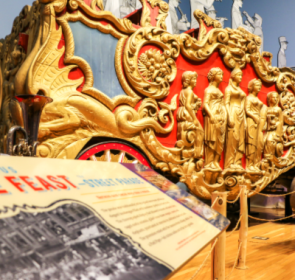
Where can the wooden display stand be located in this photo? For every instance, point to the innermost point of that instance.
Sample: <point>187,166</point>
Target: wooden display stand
<point>243,229</point>
<point>218,254</point>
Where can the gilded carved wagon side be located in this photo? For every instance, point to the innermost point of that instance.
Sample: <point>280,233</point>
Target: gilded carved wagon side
<point>204,106</point>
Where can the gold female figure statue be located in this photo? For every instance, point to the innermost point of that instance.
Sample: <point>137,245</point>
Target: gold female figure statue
<point>215,120</point>
<point>190,132</point>
<point>275,121</point>
<point>253,107</point>
<point>236,122</point>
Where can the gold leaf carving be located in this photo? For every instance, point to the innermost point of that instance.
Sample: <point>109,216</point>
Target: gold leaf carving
<point>58,5</point>
<point>204,18</point>
<point>234,45</point>
<point>139,73</point>
<point>133,98</point>
<point>146,13</point>
<point>97,3</point>
<point>163,12</point>
<point>123,25</point>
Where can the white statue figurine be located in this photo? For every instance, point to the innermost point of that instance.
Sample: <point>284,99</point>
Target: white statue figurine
<point>211,12</point>
<point>236,16</point>
<point>174,25</point>
<point>113,6</point>
<point>199,5</point>
<point>282,61</point>
<point>256,23</point>
<point>129,6</point>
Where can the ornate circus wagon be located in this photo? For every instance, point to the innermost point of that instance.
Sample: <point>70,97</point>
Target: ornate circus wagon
<point>204,107</point>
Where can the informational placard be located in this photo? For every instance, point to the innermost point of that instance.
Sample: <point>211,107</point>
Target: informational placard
<point>63,219</point>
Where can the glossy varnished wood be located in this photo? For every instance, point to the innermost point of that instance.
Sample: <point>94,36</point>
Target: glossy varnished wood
<point>273,259</point>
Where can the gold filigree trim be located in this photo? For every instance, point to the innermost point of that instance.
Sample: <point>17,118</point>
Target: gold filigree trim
<point>205,19</point>
<point>264,70</point>
<point>146,13</point>
<point>97,3</point>
<point>235,46</point>
<point>159,86</point>
<point>163,12</point>
<point>286,80</point>
<point>133,98</point>
<point>123,25</point>
<point>58,5</point>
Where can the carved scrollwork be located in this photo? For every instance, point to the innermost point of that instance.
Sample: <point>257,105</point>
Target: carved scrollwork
<point>97,3</point>
<point>234,45</point>
<point>163,12</point>
<point>146,13</point>
<point>286,79</point>
<point>266,72</point>
<point>208,20</point>
<point>123,25</point>
<point>205,19</point>
<point>146,73</point>
<point>58,5</point>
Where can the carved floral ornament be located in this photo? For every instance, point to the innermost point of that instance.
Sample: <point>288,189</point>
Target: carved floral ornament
<point>75,117</point>
<point>151,80</point>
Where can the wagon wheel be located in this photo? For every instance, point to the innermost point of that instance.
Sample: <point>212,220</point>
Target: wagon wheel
<point>113,152</point>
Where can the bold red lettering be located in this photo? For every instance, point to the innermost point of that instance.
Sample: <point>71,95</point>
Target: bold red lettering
<point>16,184</point>
<point>58,184</point>
<point>46,185</point>
<point>65,178</point>
<point>3,191</point>
<point>30,183</point>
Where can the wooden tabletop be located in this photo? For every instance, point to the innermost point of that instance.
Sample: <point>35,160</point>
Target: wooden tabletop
<point>273,259</point>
